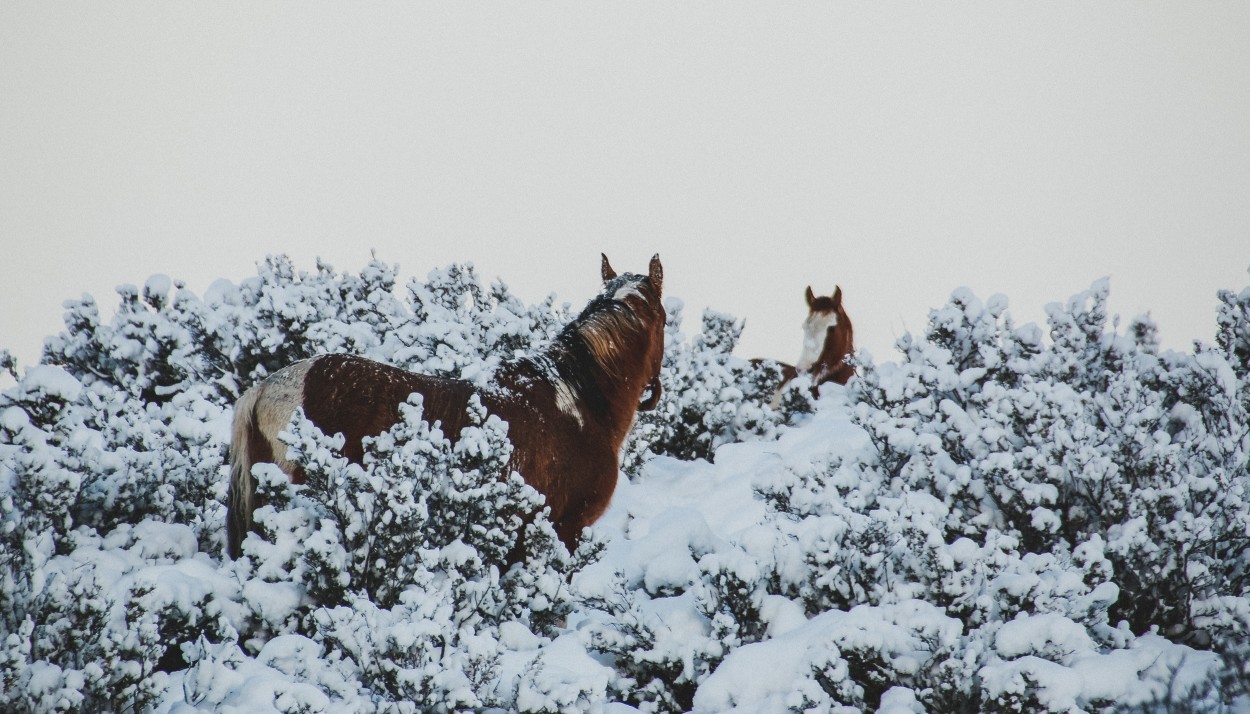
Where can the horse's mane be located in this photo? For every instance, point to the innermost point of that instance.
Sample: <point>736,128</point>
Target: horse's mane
<point>606,320</point>
<point>596,340</point>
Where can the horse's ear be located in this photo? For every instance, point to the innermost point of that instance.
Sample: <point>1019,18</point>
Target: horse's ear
<point>606,269</point>
<point>811,298</point>
<point>656,273</point>
<point>837,297</point>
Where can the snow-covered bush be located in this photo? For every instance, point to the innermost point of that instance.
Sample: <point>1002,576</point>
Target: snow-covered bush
<point>121,433</point>
<point>1050,503</point>
<point>404,562</point>
<point>157,345</point>
<point>1096,435</point>
<point>1005,519</point>
<point>1124,466</point>
<point>650,607</point>
<point>1232,336</point>
<point>710,396</point>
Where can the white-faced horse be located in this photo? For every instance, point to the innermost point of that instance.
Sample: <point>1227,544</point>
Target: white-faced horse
<point>568,409</point>
<point>828,341</point>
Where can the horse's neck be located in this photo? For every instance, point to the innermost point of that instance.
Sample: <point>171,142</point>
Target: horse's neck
<point>598,397</point>
<point>838,347</point>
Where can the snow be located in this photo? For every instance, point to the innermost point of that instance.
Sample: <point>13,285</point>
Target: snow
<point>49,381</point>
<point>1029,634</point>
<point>625,291</point>
<point>762,677</point>
<point>564,677</point>
<point>906,544</point>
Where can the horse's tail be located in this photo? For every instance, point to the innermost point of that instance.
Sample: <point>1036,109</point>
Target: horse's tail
<point>245,437</point>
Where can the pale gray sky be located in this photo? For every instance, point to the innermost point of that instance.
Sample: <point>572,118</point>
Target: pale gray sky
<point>898,149</point>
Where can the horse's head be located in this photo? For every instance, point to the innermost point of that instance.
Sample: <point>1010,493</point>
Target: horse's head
<point>827,335</point>
<point>642,295</point>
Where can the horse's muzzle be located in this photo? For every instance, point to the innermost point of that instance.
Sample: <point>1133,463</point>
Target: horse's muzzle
<point>655,391</point>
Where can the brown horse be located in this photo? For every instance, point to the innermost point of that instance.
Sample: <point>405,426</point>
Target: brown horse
<point>568,409</point>
<point>828,340</point>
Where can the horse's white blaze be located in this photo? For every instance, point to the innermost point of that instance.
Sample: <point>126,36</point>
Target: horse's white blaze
<point>815,329</point>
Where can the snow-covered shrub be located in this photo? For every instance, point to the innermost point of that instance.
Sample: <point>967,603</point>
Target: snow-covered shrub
<point>8,364</point>
<point>417,504</point>
<point>1094,435</point>
<point>412,562</point>
<point>460,329</point>
<point>710,396</point>
<point>123,431</point>
<point>649,612</point>
<point>157,345</point>
<point>849,538</point>
<point>1043,503</point>
<point>107,623</point>
<point>1233,333</point>
<point>660,649</point>
<point>1092,451</point>
<point>1005,520</point>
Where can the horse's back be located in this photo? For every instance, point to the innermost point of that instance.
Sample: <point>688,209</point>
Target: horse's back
<point>359,397</point>
<point>339,393</point>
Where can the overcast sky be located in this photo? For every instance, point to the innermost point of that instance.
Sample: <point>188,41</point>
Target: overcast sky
<point>900,150</point>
